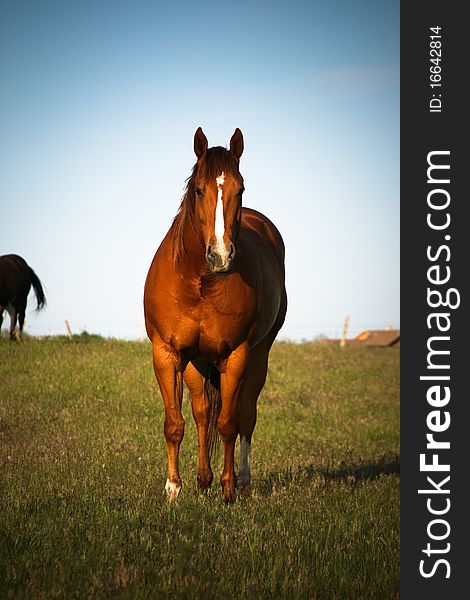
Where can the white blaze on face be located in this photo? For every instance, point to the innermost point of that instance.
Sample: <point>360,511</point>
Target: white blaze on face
<point>219,215</point>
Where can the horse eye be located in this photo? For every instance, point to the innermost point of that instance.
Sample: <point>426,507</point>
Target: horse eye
<point>199,192</point>
<point>241,190</point>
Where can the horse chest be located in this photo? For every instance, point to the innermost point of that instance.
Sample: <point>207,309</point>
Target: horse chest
<point>222,327</point>
<point>209,321</point>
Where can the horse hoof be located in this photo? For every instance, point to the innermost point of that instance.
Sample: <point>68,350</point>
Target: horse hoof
<point>230,498</point>
<point>244,490</point>
<point>229,493</point>
<point>204,481</point>
<point>172,490</point>
<point>243,482</point>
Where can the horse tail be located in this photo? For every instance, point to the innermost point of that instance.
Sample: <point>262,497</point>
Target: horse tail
<point>40,297</point>
<point>212,389</point>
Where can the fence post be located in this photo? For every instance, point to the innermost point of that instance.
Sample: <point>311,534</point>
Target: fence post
<point>69,331</point>
<point>345,331</point>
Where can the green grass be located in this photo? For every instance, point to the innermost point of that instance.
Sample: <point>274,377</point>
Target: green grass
<point>82,453</point>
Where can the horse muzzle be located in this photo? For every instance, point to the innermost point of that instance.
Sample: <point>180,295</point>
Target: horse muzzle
<point>220,258</point>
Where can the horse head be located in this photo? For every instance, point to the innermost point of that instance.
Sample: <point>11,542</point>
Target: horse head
<point>218,188</point>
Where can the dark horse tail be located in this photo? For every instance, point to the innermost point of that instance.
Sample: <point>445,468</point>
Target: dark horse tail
<point>212,389</point>
<point>40,297</point>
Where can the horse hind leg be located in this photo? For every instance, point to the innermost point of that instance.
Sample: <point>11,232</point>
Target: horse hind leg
<point>244,473</point>
<point>21,320</point>
<point>253,383</point>
<point>13,316</point>
<point>195,379</point>
<point>231,383</point>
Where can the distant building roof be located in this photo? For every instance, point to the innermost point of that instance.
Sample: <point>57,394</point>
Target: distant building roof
<point>378,337</point>
<point>369,337</point>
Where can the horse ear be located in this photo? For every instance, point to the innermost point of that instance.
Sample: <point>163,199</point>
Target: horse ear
<point>200,143</point>
<point>236,143</point>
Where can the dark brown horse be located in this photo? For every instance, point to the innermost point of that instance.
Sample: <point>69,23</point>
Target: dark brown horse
<point>16,279</point>
<point>214,301</point>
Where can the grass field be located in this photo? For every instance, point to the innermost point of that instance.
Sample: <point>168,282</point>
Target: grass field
<point>82,507</point>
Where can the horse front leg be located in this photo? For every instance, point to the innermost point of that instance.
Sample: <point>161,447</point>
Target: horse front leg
<point>231,380</point>
<point>169,374</point>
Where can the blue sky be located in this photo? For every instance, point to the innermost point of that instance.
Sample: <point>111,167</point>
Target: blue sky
<point>99,105</point>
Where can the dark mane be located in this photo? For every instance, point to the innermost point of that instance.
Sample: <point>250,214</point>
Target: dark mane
<point>215,161</point>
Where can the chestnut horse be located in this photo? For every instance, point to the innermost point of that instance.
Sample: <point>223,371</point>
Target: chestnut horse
<point>16,279</point>
<point>214,301</point>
